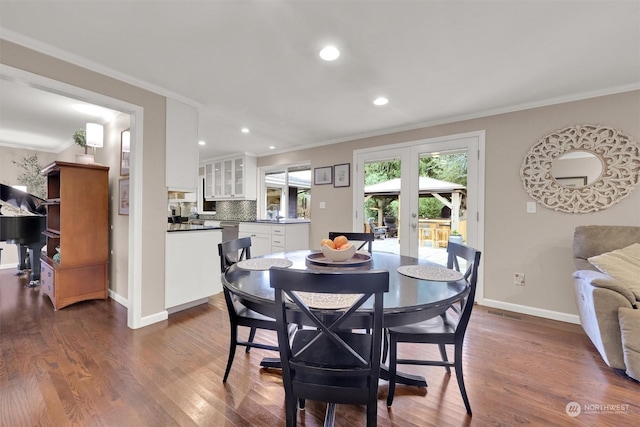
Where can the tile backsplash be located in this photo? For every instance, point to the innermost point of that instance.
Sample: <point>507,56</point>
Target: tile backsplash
<point>234,210</point>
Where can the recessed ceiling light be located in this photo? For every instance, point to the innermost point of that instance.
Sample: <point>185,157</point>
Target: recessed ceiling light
<point>380,101</point>
<point>330,53</point>
<point>202,143</point>
<point>244,130</point>
<point>271,147</point>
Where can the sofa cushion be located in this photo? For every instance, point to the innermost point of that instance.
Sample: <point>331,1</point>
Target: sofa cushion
<point>630,329</point>
<point>623,265</point>
<point>592,240</point>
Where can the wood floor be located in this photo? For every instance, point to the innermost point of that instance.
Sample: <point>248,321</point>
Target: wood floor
<point>82,366</point>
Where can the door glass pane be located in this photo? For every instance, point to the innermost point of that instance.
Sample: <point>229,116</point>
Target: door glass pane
<point>217,178</point>
<point>238,176</point>
<point>441,202</point>
<point>382,187</point>
<point>228,178</point>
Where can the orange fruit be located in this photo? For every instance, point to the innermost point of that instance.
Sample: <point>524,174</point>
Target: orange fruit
<point>327,242</point>
<point>340,240</point>
<point>345,246</point>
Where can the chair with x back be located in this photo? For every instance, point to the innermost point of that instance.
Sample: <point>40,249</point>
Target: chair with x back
<point>330,362</point>
<point>449,328</point>
<point>362,239</point>
<point>231,252</point>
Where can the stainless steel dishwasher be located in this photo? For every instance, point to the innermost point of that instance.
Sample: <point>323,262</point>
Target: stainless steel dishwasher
<point>229,230</point>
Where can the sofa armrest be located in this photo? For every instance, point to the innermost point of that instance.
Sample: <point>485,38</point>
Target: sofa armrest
<point>601,280</point>
<point>598,309</point>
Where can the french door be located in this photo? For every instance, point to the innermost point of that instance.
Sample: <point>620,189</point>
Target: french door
<point>467,209</point>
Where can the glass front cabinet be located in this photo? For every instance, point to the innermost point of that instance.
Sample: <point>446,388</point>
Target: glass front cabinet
<point>231,178</point>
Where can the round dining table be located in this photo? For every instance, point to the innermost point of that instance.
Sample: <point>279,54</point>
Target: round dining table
<point>408,301</point>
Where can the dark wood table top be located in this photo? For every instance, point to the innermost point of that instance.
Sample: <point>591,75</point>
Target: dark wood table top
<point>409,300</point>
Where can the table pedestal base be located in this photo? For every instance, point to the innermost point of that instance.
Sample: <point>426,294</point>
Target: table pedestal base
<point>401,377</point>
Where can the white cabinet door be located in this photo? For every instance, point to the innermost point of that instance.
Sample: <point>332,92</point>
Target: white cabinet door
<point>238,176</point>
<point>260,243</point>
<point>181,146</point>
<point>208,180</point>
<point>260,237</point>
<point>297,237</point>
<point>218,188</point>
<point>231,178</point>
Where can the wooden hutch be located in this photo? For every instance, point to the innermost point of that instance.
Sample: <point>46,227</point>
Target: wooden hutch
<point>78,224</point>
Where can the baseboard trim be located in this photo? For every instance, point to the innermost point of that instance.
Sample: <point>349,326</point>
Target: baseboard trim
<point>145,321</point>
<point>7,266</point>
<point>154,318</point>
<point>533,311</point>
<point>119,299</point>
<point>187,305</point>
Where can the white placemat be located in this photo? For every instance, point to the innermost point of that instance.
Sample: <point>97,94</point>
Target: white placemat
<point>264,263</point>
<point>440,274</point>
<point>328,301</point>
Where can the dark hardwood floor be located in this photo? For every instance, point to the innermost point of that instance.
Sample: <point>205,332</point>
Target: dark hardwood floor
<point>82,366</point>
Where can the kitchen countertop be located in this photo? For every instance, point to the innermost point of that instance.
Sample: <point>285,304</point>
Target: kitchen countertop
<point>190,227</point>
<point>283,221</point>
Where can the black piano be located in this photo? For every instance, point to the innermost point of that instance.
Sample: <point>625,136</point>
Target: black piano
<point>24,230</point>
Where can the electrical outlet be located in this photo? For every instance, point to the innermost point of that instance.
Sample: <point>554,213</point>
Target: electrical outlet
<point>518,279</point>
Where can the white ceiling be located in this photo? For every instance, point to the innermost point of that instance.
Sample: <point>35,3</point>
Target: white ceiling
<point>256,64</point>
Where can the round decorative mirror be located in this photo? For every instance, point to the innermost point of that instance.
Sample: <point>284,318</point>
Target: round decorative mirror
<point>576,168</point>
<point>580,169</point>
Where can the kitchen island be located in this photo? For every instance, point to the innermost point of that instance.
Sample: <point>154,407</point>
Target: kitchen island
<point>192,265</point>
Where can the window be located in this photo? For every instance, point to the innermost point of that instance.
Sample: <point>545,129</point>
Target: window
<point>287,189</point>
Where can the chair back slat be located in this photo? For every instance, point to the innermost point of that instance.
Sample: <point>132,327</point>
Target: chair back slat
<point>233,251</point>
<point>472,257</point>
<point>363,239</point>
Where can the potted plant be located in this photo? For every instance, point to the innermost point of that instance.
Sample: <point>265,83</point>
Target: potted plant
<point>80,138</point>
<point>455,237</point>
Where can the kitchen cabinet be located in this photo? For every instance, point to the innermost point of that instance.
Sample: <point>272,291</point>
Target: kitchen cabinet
<point>232,178</point>
<point>192,267</point>
<point>260,237</point>
<point>181,146</point>
<point>78,225</point>
<point>267,238</point>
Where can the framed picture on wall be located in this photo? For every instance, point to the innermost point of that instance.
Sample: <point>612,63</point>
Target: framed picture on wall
<point>125,151</point>
<point>323,175</point>
<point>123,196</point>
<point>341,175</point>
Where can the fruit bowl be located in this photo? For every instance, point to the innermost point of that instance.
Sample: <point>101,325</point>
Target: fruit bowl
<point>338,255</point>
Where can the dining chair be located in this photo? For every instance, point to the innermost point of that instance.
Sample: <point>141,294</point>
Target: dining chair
<point>230,252</point>
<point>362,239</point>
<point>448,328</point>
<point>330,362</point>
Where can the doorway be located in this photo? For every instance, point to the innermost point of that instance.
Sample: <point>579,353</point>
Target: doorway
<point>410,161</point>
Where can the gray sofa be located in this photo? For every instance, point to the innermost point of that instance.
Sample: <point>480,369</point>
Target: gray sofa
<point>608,309</point>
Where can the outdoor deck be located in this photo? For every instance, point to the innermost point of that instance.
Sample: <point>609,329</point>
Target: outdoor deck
<point>390,244</point>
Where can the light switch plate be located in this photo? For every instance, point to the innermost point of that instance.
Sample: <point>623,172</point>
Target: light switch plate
<point>323,205</point>
<point>531,207</point>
